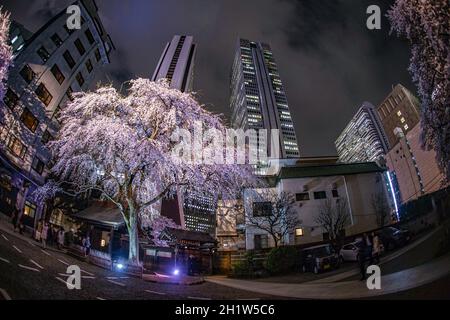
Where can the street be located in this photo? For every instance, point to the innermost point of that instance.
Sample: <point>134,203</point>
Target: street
<point>29,272</point>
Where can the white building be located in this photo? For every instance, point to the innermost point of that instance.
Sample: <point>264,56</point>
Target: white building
<point>312,185</point>
<point>49,65</point>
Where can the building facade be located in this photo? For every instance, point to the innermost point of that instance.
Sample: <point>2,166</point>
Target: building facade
<point>415,169</point>
<point>193,210</point>
<point>49,65</point>
<point>257,96</point>
<point>400,109</point>
<point>354,184</point>
<point>177,63</point>
<point>363,139</point>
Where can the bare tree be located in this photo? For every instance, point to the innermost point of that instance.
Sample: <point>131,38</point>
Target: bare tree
<point>274,214</point>
<point>333,217</point>
<point>381,208</point>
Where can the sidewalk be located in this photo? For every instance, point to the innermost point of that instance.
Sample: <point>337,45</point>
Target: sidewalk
<point>391,283</point>
<point>7,228</point>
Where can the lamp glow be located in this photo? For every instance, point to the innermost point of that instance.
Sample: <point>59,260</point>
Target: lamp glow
<point>176,272</point>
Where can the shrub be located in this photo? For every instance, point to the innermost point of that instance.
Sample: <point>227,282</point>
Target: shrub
<point>282,260</point>
<point>244,268</point>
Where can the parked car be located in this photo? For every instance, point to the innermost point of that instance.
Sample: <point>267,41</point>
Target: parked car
<point>319,258</point>
<point>393,238</point>
<point>350,252</point>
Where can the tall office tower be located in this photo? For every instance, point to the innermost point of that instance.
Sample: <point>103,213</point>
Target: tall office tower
<point>49,65</point>
<point>258,99</point>
<point>192,210</point>
<point>177,63</point>
<point>399,109</point>
<point>363,139</point>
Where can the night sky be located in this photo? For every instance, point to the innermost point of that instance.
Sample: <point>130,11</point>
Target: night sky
<point>328,60</point>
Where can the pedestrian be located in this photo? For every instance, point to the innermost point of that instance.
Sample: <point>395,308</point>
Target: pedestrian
<point>362,255</point>
<point>15,218</point>
<point>21,224</point>
<point>70,237</point>
<point>60,237</point>
<point>376,247</point>
<point>38,231</point>
<point>369,240</point>
<point>44,234</point>
<point>50,235</point>
<point>86,245</point>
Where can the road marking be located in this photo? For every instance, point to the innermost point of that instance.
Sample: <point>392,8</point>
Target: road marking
<point>156,292</point>
<point>32,243</point>
<point>63,262</point>
<point>118,283</point>
<point>17,249</point>
<point>98,298</point>
<point>66,283</point>
<point>124,277</point>
<point>91,274</point>
<point>36,264</point>
<point>199,298</point>
<point>46,252</point>
<point>4,260</point>
<point>28,268</point>
<point>4,237</point>
<point>112,278</point>
<point>5,294</point>
<point>88,277</point>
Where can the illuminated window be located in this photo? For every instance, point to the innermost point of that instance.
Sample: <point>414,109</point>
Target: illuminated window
<point>58,74</point>
<point>11,98</point>
<point>43,94</point>
<point>16,147</point>
<point>29,209</point>
<point>27,74</point>
<point>29,120</point>
<point>298,232</point>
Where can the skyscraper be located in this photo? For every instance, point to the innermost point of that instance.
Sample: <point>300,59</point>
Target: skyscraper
<point>363,139</point>
<point>49,65</point>
<point>192,210</point>
<point>258,99</point>
<point>177,63</point>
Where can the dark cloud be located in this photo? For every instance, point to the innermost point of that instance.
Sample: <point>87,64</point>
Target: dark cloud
<point>328,60</point>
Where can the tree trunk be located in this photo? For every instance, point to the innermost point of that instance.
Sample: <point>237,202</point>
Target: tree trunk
<point>133,247</point>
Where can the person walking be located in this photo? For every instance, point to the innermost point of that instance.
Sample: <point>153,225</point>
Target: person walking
<point>44,234</point>
<point>38,231</point>
<point>21,224</point>
<point>376,247</point>
<point>15,218</point>
<point>60,238</point>
<point>369,249</point>
<point>362,255</point>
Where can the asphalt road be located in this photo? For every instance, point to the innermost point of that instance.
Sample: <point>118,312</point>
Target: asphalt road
<point>27,272</point>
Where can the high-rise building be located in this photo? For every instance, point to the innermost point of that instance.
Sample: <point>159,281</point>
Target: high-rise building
<point>400,109</point>
<point>49,65</point>
<point>193,210</point>
<point>363,139</point>
<point>258,99</point>
<point>177,63</point>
